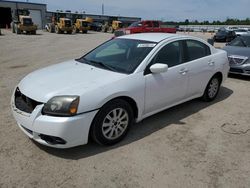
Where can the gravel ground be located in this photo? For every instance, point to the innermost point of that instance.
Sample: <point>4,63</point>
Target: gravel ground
<point>195,144</point>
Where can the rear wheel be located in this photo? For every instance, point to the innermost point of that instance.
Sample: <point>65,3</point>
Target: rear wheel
<point>13,27</point>
<point>212,89</point>
<point>112,122</point>
<point>18,31</point>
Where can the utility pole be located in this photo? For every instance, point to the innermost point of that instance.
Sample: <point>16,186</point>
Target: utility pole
<point>102,9</point>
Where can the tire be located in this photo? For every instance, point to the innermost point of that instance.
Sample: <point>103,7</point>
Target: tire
<point>18,31</point>
<point>212,89</point>
<point>13,27</point>
<point>112,122</point>
<point>57,30</point>
<point>69,32</point>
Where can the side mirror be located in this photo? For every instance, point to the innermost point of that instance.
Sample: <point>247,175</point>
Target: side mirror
<point>158,68</point>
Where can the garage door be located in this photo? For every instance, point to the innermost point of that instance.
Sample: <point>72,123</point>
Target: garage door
<point>36,17</point>
<point>5,17</point>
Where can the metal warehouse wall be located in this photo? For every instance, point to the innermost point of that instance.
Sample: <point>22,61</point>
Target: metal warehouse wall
<point>30,6</point>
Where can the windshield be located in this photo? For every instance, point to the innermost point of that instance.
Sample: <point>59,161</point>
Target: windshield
<point>67,23</point>
<point>85,24</point>
<point>136,24</point>
<point>120,25</point>
<point>119,55</point>
<point>242,41</point>
<point>222,32</point>
<point>27,21</point>
<point>240,30</point>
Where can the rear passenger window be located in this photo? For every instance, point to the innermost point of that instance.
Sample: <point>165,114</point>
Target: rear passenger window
<point>148,24</point>
<point>169,54</point>
<point>196,50</point>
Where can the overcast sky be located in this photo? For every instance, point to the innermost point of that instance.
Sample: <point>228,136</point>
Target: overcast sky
<point>174,10</point>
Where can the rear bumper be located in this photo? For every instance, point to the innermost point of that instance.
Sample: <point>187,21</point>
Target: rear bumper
<point>68,131</point>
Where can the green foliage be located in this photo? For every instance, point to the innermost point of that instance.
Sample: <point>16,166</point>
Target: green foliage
<point>228,21</point>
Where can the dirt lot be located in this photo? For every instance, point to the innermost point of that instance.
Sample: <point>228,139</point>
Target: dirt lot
<point>195,144</point>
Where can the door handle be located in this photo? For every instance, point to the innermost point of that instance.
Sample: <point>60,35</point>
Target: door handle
<point>211,63</point>
<point>183,71</point>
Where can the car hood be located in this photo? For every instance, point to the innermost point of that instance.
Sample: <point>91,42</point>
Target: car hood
<point>235,50</point>
<point>68,78</point>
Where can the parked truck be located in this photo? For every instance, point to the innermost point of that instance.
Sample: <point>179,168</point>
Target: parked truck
<point>144,27</point>
<point>22,22</point>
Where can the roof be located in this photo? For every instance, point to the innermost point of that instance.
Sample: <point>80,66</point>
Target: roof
<point>153,37</point>
<point>20,2</point>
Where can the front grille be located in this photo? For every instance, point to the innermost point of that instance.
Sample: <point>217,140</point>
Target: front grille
<point>24,103</point>
<point>236,70</point>
<point>237,60</point>
<point>119,33</point>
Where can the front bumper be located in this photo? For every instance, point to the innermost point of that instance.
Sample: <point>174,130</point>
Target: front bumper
<point>66,28</point>
<point>73,130</point>
<point>241,69</point>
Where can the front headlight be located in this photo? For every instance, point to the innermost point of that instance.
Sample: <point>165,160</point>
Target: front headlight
<point>62,106</point>
<point>247,61</point>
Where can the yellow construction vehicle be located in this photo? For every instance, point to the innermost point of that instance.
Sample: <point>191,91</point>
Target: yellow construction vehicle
<point>82,25</point>
<point>64,25</point>
<point>23,23</point>
<point>111,27</point>
<point>60,24</point>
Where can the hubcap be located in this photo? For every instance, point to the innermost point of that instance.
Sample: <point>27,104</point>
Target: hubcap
<point>213,87</point>
<point>115,123</point>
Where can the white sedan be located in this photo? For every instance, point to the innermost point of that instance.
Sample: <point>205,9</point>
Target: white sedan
<point>122,81</point>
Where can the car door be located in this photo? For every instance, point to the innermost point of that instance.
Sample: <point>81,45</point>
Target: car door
<point>167,88</point>
<point>200,65</point>
<point>156,26</point>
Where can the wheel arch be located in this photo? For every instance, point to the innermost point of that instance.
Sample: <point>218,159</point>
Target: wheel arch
<point>128,99</point>
<point>219,75</point>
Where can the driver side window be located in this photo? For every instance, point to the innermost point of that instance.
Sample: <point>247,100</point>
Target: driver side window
<point>169,54</point>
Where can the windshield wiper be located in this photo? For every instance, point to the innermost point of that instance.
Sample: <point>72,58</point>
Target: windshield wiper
<point>101,64</point>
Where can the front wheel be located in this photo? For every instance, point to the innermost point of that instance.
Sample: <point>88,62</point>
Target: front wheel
<point>112,122</point>
<point>57,30</point>
<point>212,89</point>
